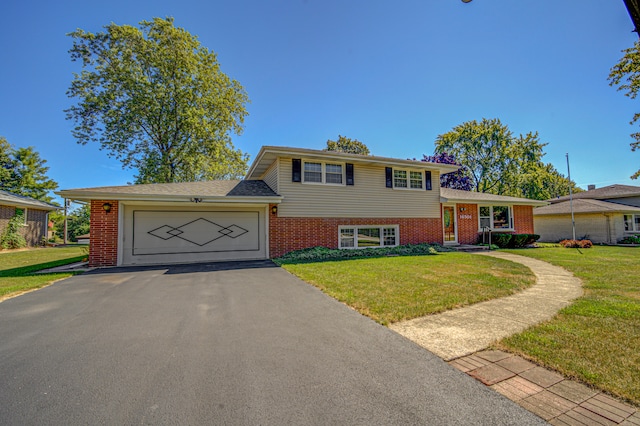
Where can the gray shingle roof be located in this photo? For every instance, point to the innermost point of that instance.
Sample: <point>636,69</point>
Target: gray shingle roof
<point>11,199</point>
<point>584,206</point>
<point>215,188</point>
<point>611,191</point>
<point>448,194</point>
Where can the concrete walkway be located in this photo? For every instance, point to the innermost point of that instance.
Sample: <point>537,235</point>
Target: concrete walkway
<point>463,331</point>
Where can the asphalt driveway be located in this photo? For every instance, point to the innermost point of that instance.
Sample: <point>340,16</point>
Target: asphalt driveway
<point>234,343</point>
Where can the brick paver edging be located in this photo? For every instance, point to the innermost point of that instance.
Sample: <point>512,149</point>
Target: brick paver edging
<point>558,400</point>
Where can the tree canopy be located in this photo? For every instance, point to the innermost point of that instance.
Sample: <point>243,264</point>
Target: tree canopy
<point>157,100</point>
<point>23,172</point>
<point>454,180</point>
<point>500,163</point>
<point>626,75</point>
<point>345,144</point>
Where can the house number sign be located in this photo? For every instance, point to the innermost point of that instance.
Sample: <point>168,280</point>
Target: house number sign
<point>466,216</point>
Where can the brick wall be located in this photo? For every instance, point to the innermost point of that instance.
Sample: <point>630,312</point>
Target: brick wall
<point>467,223</point>
<point>294,233</point>
<point>36,228</point>
<point>103,248</point>
<point>523,219</point>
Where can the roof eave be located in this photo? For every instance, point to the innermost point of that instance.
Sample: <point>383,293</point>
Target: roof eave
<point>341,156</point>
<point>88,196</point>
<point>535,203</point>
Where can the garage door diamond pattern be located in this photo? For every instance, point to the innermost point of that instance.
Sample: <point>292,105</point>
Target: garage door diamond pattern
<point>199,232</point>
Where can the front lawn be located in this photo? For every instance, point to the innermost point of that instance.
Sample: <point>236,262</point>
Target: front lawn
<point>391,289</point>
<point>597,338</point>
<point>17,267</point>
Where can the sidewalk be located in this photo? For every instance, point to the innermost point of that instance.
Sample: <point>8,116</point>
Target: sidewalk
<point>461,336</point>
<point>463,331</point>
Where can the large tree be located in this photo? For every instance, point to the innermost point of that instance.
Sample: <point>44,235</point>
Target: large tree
<point>23,172</point>
<point>345,144</point>
<point>156,99</point>
<point>454,180</point>
<point>498,162</point>
<point>626,75</point>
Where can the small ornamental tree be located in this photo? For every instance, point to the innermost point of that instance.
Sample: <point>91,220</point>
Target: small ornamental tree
<point>454,180</point>
<point>11,237</point>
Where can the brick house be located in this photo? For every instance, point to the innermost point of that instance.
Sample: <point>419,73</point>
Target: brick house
<point>290,199</point>
<point>34,212</point>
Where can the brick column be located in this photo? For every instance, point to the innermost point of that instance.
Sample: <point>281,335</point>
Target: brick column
<point>523,219</point>
<point>103,247</point>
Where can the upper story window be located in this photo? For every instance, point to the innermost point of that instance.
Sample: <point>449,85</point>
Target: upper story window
<point>316,172</point>
<point>321,172</point>
<point>632,223</point>
<point>408,179</point>
<point>495,217</point>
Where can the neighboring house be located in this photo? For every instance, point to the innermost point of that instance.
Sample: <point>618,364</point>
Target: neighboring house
<point>35,213</point>
<point>83,239</point>
<point>292,199</point>
<point>604,215</point>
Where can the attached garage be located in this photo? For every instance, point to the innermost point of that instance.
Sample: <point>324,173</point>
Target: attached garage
<point>158,224</point>
<point>157,235</point>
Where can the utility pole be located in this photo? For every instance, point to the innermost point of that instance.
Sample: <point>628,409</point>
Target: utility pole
<point>66,206</point>
<point>573,221</point>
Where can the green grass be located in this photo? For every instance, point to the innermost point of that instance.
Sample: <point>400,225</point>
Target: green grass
<point>17,268</point>
<point>597,338</point>
<point>390,289</point>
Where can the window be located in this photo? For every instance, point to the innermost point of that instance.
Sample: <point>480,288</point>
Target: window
<point>330,173</point>
<point>415,180</point>
<point>405,179</point>
<point>632,222</point>
<point>400,178</point>
<point>368,236</point>
<point>495,217</point>
<point>313,172</point>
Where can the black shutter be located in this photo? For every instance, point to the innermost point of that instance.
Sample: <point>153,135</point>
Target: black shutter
<point>296,170</point>
<point>427,180</point>
<point>349,172</point>
<point>389,177</point>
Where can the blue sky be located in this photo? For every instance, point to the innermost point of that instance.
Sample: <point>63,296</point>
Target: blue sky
<point>393,75</point>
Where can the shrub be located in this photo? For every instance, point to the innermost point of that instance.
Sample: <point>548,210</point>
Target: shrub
<point>576,243</point>
<point>315,254</point>
<point>501,240</point>
<point>631,239</point>
<point>11,237</point>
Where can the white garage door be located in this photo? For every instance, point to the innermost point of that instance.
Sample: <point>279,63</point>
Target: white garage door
<point>173,236</point>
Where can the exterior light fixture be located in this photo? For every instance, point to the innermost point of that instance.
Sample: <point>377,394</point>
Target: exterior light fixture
<point>196,200</point>
<point>274,209</point>
<point>463,209</point>
<point>106,207</point>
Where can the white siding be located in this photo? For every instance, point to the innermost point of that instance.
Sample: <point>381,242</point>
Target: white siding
<point>596,227</point>
<point>271,177</point>
<point>368,197</point>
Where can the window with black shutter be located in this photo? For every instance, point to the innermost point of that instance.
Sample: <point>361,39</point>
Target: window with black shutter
<point>427,180</point>
<point>349,173</point>
<point>389,177</point>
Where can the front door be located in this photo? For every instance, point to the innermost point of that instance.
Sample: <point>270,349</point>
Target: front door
<point>449,223</point>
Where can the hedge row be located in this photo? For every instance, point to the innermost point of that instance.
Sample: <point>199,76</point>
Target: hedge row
<point>316,254</point>
<point>513,240</point>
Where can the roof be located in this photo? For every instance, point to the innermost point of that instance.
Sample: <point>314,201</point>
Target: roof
<point>11,199</point>
<point>219,190</point>
<point>268,155</point>
<point>584,206</point>
<point>448,195</point>
<point>606,192</point>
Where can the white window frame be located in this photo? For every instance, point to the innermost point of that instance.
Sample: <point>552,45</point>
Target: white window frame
<point>381,228</point>
<point>635,223</point>
<point>323,166</point>
<point>491,215</point>
<point>408,179</point>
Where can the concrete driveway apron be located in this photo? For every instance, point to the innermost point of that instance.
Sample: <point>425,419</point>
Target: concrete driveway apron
<point>227,343</point>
